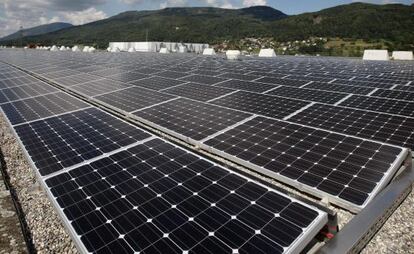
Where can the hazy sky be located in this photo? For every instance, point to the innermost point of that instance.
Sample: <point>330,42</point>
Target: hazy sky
<point>29,13</point>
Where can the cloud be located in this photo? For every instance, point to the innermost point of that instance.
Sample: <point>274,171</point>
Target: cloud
<point>83,17</point>
<point>32,13</point>
<point>248,3</point>
<point>182,3</point>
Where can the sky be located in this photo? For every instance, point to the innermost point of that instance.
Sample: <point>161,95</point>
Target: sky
<point>30,13</point>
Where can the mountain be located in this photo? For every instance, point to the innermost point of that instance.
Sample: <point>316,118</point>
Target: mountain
<point>38,30</point>
<point>392,22</point>
<point>197,24</point>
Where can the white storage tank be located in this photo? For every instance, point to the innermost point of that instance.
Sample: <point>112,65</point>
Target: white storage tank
<point>209,52</point>
<point>233,54</point>
<point>267,53</point>
<point>402,55</point>
<point>376,55</point>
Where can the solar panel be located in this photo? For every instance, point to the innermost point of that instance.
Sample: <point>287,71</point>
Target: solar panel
<point>339,88</point>
<point>208,80</point>
<point>101,86</point>
<point>404,88</point>
<point>308,94</point>
<point>361,83</point>
<point>25,91</point>
<point>172,74</point>
<point>127,76</point>
<point>246,85</point>
<point>158,198</point>
<point>261,104</point>
<point>402,108</point>
<point>40,107</point>
<point>13,82</point>
<point>281,81</point>
<point>66,140</point>
<point>75,80</point>
<point>393,94</point>
<point>239,76</point>
<point>391,129</point>
<point>157,83</point>
<point>347,170</point>
<point>191,119</point>
<point>133,98</point>
<point>198,92</point>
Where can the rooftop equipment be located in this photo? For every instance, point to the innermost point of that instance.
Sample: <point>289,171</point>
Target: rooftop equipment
<point>376,54</point>
<point>402,55</point>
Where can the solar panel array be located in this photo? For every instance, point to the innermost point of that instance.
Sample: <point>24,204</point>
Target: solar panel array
<point>197,99</point>
<point>120,189</point>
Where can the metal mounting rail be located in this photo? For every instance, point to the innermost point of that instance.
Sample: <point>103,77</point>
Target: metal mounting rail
<point>359,231</point>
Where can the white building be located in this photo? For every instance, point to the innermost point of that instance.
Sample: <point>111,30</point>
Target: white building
<point>154,46</point>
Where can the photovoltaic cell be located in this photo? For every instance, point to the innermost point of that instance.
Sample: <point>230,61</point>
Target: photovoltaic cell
<point>134,98</point>
<point>40,107</point>
<point>157,198</point>
<point>402,108</point>
<point>191,119</point>
<point>261,104</point>
<point>397,130</point>
<point>69,139</point>
<point>348,170</point>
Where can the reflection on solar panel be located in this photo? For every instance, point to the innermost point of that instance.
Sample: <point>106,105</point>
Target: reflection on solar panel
<point>40,107</point>
<point>308,94</point>
<point>402,108</point>
<point>349,170</point>
<point>391,129</point>
<point>157,198</point>
<point>198,92</point>
<point>69,139</point>
<point>261,104</point>
<point>134,98</point>
<point>191,119</point>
